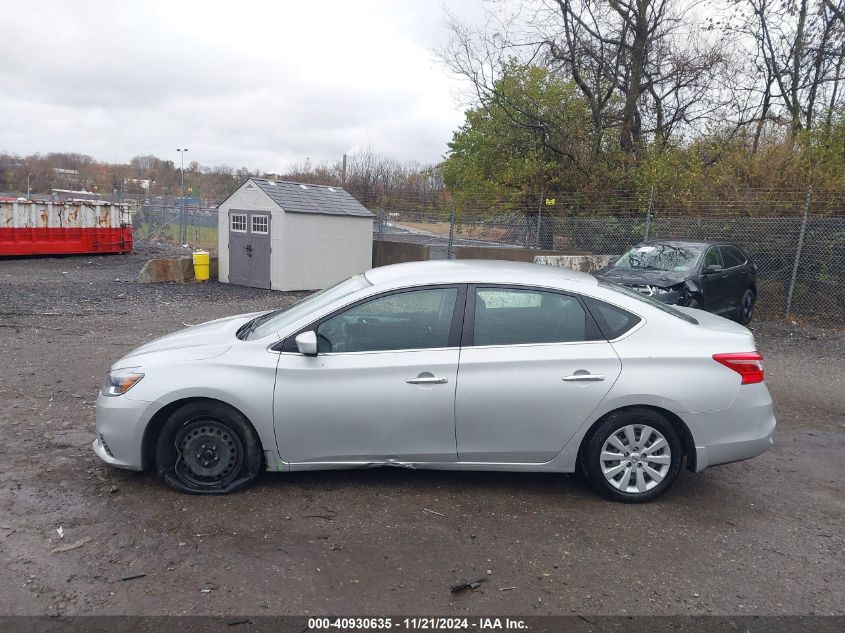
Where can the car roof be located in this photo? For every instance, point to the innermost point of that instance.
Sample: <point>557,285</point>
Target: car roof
<point>475,271</point>
<point>684,243</point>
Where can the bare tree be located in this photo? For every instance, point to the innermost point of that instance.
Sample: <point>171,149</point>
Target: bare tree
<point>800,43</point>
<point>639,64</point>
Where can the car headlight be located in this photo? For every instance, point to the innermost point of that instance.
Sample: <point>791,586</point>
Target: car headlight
<point>120,381</point>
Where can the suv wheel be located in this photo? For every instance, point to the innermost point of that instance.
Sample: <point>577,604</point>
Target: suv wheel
<point>745,309</point>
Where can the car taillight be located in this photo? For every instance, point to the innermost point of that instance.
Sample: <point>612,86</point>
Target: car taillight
<point>747,364</point>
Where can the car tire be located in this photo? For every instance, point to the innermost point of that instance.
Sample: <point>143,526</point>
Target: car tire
<point>745,309</point>
<point>208,447</point>
<point>582,476</point>
<point>693,303</point>
<point>642,472</point>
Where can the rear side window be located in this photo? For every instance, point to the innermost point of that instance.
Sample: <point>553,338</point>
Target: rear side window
<point>654,303</point>
<point>732,256</point>
<point>512,316</point>
<point>612,320</point>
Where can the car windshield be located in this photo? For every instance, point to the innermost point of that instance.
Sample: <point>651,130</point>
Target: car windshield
<point>667,257</point>
<point>276,320</point>
<point>654,303</point>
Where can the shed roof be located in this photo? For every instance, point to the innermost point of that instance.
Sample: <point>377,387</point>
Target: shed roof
<point>295,197</point>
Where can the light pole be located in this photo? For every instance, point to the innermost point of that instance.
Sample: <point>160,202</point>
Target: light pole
<point>183,228</point>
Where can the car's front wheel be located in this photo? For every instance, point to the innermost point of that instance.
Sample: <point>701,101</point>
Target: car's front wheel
<point>633,456</point>
<point>208,447</point>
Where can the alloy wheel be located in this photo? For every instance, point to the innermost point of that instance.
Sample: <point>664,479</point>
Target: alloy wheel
<point>747,307</point>
<point>635,458</point>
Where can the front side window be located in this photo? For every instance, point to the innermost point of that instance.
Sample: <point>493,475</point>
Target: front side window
<point>511,316</point>
<point>713,258</point>
<point>417,319</point>
<point>238,222</point>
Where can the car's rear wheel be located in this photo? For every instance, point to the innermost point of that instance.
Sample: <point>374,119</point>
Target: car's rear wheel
<point>745,309</point>
<point>633,456</point>
<point>208,447</point>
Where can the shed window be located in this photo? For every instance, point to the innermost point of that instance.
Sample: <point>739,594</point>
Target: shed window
<point>238,223</point>
<point>260,224</point>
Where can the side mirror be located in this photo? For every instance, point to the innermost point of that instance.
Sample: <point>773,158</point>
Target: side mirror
<point>306,343</point>
<point>712,268</point>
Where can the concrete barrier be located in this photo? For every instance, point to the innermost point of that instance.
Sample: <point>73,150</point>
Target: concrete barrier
<point>173,269</point>
<point>386,252</point>
<point>507,254</point>
<point>582,263</point>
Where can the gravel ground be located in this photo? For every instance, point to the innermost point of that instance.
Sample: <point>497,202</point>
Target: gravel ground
<point>758,537</point>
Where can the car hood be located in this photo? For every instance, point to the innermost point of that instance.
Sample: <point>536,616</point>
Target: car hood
<point>634,277</point>
<point>197,342</point>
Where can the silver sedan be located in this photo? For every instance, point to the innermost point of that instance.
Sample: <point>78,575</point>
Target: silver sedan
<point>454,365</point>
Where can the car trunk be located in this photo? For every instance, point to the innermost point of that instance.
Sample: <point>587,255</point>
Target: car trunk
<point>738,336</point>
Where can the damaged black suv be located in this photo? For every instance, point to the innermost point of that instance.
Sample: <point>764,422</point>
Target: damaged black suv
<point>711,276</point>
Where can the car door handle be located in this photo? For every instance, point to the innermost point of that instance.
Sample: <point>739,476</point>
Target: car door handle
<point>427,380</point>
<point>583,378</point>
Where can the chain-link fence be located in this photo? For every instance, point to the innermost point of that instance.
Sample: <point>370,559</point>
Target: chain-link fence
<point>796,238</point>
<point>161,221</point>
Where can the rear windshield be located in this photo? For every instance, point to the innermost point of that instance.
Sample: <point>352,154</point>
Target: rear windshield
<point>654,303</point>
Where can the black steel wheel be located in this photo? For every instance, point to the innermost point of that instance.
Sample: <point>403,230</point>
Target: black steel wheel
<point>745,309</point>
<point>208,447</point>
<point>208,453</point>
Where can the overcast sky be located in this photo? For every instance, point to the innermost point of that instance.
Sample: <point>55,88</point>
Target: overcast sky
<point>249,83</point>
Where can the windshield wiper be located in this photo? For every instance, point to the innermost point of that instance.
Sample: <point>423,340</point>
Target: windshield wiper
<point>249,327</point>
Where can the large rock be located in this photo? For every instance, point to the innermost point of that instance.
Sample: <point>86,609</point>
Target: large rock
<point>178,269</point>
<point>582,263</point>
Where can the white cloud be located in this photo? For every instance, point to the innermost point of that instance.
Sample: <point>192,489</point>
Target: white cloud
<point>252,83</point>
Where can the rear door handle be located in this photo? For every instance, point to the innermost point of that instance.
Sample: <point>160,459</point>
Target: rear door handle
<point>427,380</point>
<point>583,378</point>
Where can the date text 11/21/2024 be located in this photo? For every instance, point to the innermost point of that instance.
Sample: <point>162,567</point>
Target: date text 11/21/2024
<point>417,624</point>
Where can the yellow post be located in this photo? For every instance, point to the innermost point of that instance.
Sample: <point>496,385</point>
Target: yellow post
<point>201,265</point>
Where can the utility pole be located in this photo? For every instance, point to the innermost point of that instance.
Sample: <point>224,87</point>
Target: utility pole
<point>343,173</point>
<point>183,227</point>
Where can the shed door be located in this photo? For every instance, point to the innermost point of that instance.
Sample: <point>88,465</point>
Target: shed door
<point>249,248</point>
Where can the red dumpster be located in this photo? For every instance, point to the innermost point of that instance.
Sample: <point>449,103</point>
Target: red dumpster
<point>60,228</point>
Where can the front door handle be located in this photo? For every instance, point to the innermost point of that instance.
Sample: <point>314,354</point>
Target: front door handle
<point>583,378</point>
<point>427,380</point>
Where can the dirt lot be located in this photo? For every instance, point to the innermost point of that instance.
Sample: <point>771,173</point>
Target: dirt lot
<point>759,537</point>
